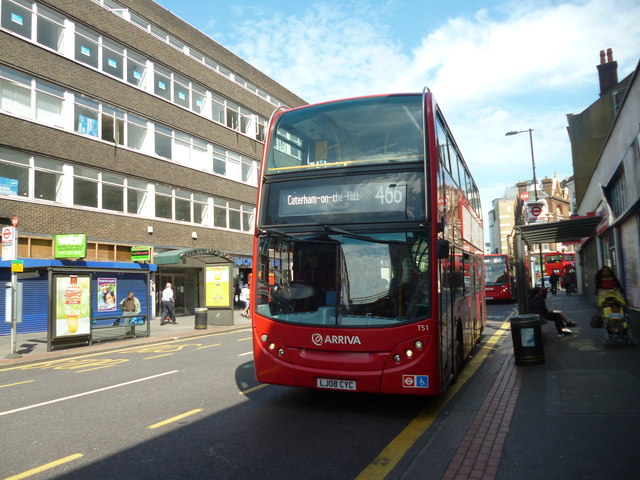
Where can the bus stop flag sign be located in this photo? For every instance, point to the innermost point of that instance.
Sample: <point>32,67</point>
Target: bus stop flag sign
<point>536,212</point>
<point>8,243</point>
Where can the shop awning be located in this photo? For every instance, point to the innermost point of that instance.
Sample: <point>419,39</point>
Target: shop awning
<point>180,256</point>
<point>564,231</point>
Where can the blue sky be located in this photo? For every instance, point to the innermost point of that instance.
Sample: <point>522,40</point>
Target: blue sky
<point>494,66</point>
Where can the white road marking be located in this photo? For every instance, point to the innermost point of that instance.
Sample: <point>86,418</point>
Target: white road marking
<point>70,397</point>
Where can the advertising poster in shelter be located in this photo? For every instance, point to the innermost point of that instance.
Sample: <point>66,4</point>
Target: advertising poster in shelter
<point>217,289</point>
<point>107,294</point>
<point>73,306</point>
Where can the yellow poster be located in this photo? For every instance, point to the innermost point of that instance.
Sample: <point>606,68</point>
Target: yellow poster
<point>217,287</point>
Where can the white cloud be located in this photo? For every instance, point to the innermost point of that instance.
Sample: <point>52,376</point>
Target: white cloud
<point>514,67</point>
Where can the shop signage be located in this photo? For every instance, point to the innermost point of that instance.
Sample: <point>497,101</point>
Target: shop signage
<point>242,261</point>
<point>70,246</point>
<point>140,254</point>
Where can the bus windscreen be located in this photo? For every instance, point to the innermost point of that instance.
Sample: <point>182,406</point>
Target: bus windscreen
<point>368,131</point>
<point>344,280</point>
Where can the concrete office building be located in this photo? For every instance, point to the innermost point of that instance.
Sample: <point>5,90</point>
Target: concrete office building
<point>122,122</point>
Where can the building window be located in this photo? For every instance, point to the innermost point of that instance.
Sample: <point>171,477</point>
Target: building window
<point>200,157</point>
<point>163,140</point>
<point>50,29</point>
<point>219,213</point>
<point>181,91</point>
<point>199,99</point>
<point>87,46</point>
<point>248,213</point>
<point>17,18</point>
<point>163,199</point>
<point>112,192</point>
<point>15,92</point>
<point>14,173</point>
<point>136,197</point>
<point>136,132</point>
<point>113,58</point>
<point>85,187</point>
<point>113,124</point>
<point>183,205</point>
<point>136,70</point>
<point>48,180</point>
<point>49,102</point>
<point>86,116</point>
<point>162,82</point>
<point>235,222</point>
<point>200,209</point>
<point>615,193</point>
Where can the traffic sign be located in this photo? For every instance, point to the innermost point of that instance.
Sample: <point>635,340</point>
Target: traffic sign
<point>8,233</point>
<point>536,212</point>
<point>17,266</point>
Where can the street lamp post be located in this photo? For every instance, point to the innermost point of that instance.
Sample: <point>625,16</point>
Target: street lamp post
<point>533,160</point>
<point>535,187</point>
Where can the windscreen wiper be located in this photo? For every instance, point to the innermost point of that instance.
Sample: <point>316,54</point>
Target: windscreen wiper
<point>364,238</point>
<point>272,232</point>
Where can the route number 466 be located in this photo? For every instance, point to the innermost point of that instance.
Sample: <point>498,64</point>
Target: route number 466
<point>389,194</point>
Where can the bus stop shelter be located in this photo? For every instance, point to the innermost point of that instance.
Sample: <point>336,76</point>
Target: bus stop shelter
<point>573,230</point>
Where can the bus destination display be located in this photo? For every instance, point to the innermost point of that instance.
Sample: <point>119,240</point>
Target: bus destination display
<point>353,198</point>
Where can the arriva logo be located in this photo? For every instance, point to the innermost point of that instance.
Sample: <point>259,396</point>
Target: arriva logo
<point>319,340</point>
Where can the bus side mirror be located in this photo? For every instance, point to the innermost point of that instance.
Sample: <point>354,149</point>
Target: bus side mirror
<point>442,248</point>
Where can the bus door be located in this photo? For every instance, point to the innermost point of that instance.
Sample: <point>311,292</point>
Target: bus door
<point>446,294</point>
<point>473,278</point>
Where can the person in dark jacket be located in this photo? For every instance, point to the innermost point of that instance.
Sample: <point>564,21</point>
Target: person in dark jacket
<point>553,280</point>
<point>539,306</point>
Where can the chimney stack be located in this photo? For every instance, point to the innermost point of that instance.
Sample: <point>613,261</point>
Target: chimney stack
<point>607,72</point>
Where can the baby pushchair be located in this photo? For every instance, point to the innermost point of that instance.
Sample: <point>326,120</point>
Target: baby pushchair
<point>615,322</point>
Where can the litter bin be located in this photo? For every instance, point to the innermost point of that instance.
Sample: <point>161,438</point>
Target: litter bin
<point>201,318</point>
<point>526,333</point>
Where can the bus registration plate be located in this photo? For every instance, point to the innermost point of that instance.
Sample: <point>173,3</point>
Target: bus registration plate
<point>333,384</point>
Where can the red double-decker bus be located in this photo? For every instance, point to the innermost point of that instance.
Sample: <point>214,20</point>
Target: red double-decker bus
<point>499,277</point>
<point>368,253</point>
<point>559,262</point>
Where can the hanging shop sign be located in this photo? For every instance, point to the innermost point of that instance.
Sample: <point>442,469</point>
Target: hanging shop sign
<point>70,246</point>
<point>140,254</point>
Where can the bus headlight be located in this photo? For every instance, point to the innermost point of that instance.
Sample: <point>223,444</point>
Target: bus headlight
<point>418,345</point>
<point>272,346</point>
<point>397,358</point>
<point>264,338</point>
<point>281,352</point>
<point>409,353</point>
